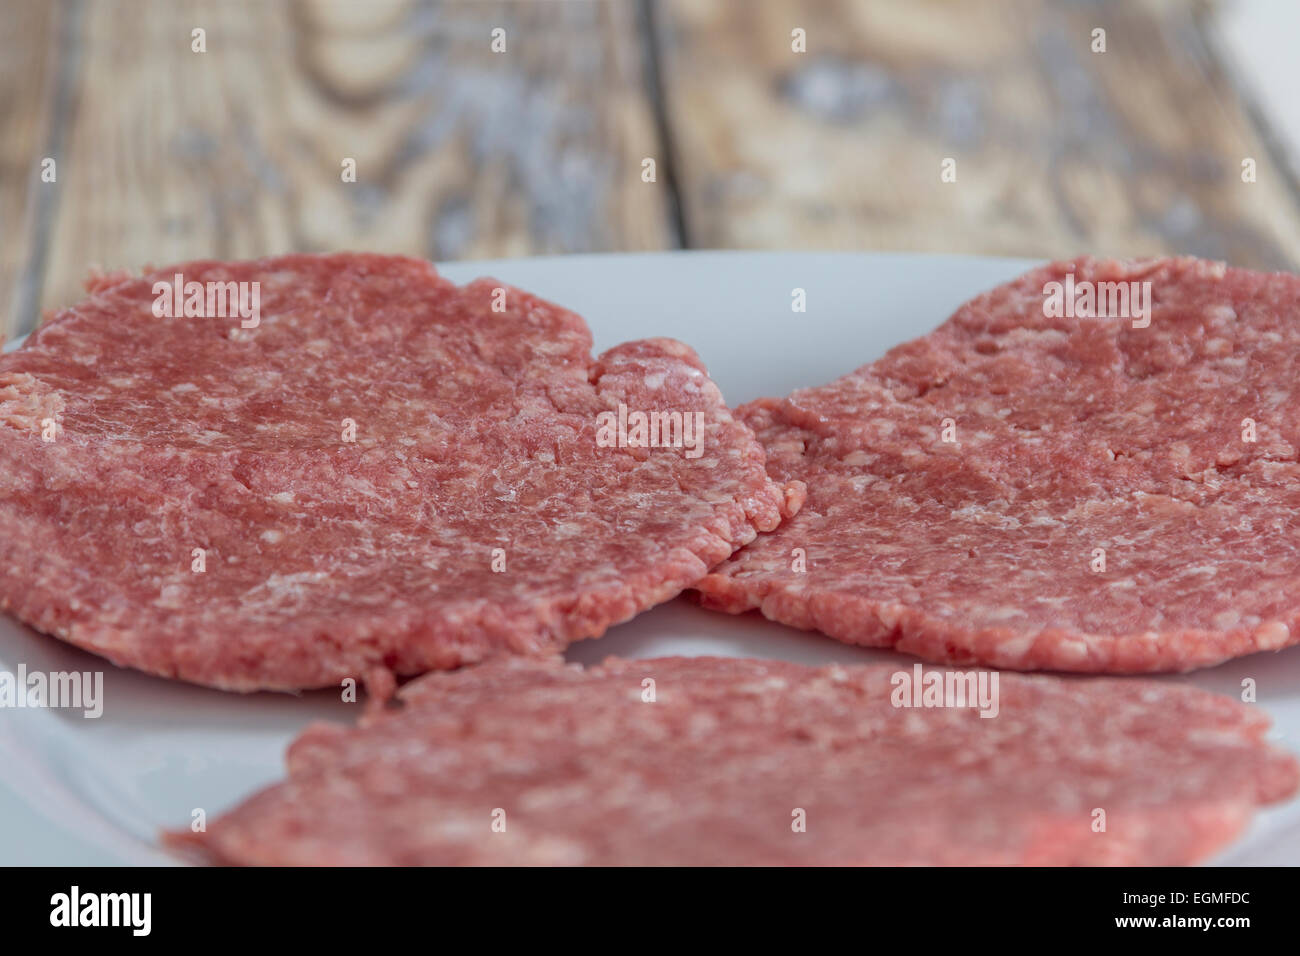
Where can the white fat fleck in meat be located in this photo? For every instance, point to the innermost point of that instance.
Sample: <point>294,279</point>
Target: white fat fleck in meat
<point>1272,635</point>
<point>1015,646</point>
<point>1005,612</point>
<point>1225,620</point>
<point>552,348</point>
<point>171,595</point>
<point>702,724</point>
<point>531,410</point>
<point>1072,649</point>
<point>1043,521</point>
<point>290,587</point>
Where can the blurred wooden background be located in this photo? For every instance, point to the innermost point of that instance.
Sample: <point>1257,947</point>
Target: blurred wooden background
<point>163,153</point>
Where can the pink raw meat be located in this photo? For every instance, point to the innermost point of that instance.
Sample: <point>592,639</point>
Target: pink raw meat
<point>537,762</point>
<point>1077,440</point>
<point>475,514</point>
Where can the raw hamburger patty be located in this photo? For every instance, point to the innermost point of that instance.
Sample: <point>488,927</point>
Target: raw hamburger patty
<point>581,769</point>
<point>475,430</point>
<point>1078,441</point>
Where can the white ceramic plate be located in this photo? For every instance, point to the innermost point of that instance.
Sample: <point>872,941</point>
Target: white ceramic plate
<point>79,791</point>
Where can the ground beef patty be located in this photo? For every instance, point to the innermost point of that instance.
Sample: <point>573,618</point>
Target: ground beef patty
<point>202,514</point>
<point>761,762</point>
<point>1102,508</point>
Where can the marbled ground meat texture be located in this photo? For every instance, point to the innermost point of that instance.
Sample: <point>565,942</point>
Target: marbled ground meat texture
<point>1072,435</point>
<point>327,559</point>
<point>538,762</point>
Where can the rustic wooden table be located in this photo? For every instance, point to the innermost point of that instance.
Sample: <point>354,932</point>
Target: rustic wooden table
<point>162,152</point>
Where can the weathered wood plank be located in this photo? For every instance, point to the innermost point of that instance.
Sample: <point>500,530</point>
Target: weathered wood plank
<point>1059,150</point>
<point>28,89</point>
<point>460,152</point>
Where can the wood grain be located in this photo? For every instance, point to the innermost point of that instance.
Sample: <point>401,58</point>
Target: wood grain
<point>1059,150</point>
<point>460,152</point>
<point>29,58</point>
<point>166,154</point>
